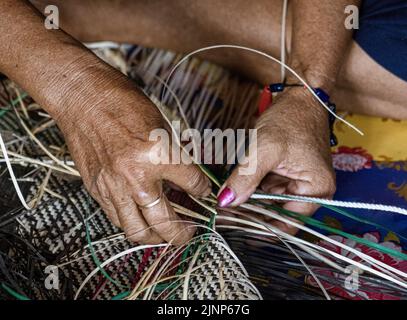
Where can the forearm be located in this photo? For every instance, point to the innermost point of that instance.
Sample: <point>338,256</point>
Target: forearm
<point>319,40</point>
<point>50,65</point>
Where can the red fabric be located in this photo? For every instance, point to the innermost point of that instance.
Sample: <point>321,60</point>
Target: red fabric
<point>266,99</point>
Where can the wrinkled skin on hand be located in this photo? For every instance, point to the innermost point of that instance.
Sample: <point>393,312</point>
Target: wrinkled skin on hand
<point>293,154</point>
<point>107,133</point>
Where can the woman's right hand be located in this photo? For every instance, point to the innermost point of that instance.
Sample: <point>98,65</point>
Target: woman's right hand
<point>106,122</point>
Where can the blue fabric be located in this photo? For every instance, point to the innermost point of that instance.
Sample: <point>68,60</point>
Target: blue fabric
<point>382,34</point>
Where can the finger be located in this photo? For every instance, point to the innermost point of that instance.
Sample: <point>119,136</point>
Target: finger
<point>161,216</point>
<point>134,225</point>
<point>302,188</point>
<point>189,177</point>
<point>111,213</point>
<point>100,195</point>
<point>275,184</point>
<point>131,220</point>
<point>241,185</point>
<point>304,208</point>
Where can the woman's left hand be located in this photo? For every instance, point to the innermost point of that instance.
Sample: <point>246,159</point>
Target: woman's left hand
<point>293,155</point>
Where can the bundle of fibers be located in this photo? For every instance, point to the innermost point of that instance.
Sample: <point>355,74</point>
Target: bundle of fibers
<point>68,230</point>
<point>189,90</point>
<point>66,233</point>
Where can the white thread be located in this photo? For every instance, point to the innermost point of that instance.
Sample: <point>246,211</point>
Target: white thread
<point>12,176</point>
<point>336,203</point>
<point>269,57</point>
<point>102,45</point>
<point>282,43</point>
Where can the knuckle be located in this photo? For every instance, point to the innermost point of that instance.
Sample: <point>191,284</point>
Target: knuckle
<point>144,197</point>
<point>124,206</point>
<point>99,186</point>
<point>128,159</point>
<point>145,191</point>
<point>196,179</point>
<point>139,179</point>
<point>119,163</point>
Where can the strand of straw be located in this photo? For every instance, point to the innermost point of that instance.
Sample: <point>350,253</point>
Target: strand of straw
<point>282,40</point>
<point>111,259</point>
<point>323,237</point>
<point>222,243</point>
<point>345,247</point>
<point>302,262</point>
<point>12,175</point>
<point>262,227</point>
<point>319,248</point>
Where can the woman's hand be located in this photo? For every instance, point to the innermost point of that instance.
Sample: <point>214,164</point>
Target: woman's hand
<point>106,123</point>
<point>293,155</point>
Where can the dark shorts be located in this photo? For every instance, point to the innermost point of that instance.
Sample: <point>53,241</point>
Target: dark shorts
<point>382,33</point>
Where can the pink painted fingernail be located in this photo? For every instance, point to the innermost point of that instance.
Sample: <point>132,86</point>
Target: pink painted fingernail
<point>226,197</point>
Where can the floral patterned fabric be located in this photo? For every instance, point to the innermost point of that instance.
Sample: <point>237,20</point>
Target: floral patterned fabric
<point>371,168</point>
<point>373,293</point>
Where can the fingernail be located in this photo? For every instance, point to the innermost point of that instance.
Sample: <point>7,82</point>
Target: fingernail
<point>226,197</point>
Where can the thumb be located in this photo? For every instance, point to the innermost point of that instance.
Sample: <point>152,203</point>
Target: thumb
<point>240,185</point>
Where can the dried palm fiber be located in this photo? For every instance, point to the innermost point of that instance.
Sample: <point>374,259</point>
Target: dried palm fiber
<point>56,232</point>
<point>159,61</point>
<point>57,229</point>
